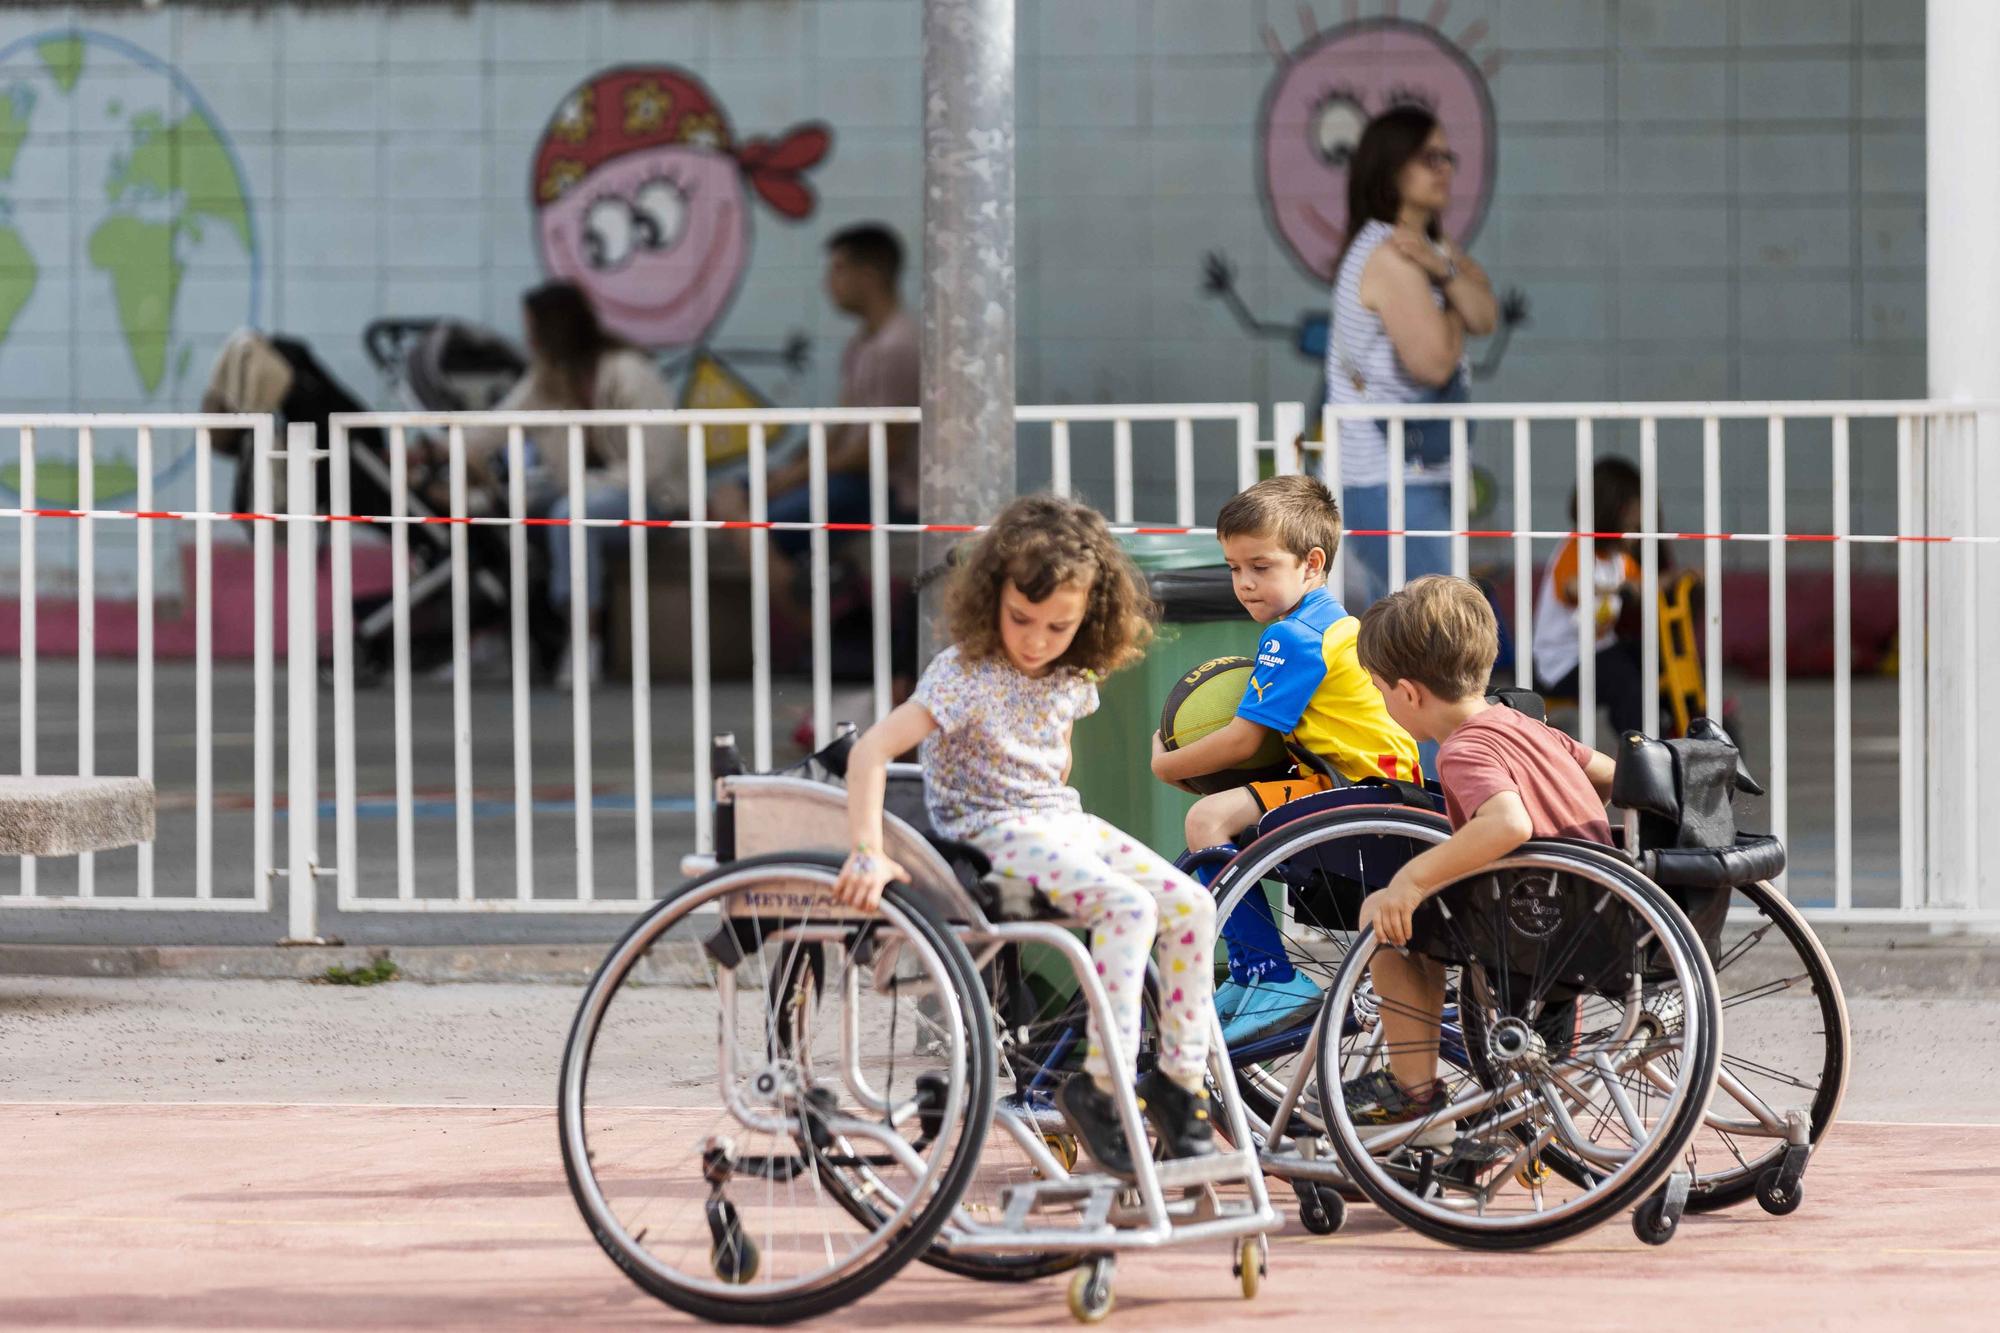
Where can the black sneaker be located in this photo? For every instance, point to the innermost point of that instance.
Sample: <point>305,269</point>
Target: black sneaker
<point>1376,1099</point>
<point>1181,1118</point>
<point>1094,1117</point>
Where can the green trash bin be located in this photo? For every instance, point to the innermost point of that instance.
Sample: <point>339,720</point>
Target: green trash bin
<point>1200,619</point>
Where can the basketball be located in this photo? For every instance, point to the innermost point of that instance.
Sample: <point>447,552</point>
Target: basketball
<point>1201,703</point>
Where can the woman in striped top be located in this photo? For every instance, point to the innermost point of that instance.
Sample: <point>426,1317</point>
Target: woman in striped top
<point>1405,299</point>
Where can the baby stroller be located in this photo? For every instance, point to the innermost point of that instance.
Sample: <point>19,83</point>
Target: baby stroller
<point>444,365</point>
<point>259,372</point>
<point>447,365</point>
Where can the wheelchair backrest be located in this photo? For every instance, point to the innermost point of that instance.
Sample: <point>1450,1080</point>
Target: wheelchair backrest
<point>1369,861</point>
<point>787,814</point>
<point>1682,790</point>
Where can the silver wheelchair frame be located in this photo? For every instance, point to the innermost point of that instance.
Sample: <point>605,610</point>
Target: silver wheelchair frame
<point>780,814</point>
<point>1064,1211</point>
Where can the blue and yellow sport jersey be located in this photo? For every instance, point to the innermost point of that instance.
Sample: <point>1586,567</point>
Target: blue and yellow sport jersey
<point>1309,686</point>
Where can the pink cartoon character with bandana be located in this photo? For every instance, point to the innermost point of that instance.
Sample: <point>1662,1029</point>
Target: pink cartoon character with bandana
<point>1323,95</point>
<point>643,197</point>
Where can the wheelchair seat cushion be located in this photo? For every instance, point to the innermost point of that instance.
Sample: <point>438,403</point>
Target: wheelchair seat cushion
<point>903,797</point>
<point>1007,899</point>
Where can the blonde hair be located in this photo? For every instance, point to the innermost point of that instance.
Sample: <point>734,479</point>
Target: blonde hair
<point>1296,511</point>
<point>1438,633</point>
<point>1040,543</point>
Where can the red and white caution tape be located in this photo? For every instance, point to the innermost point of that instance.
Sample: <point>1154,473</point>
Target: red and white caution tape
<point>752,525</point>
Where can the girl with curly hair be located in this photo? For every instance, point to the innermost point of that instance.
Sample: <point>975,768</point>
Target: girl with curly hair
<point>1044,605</point>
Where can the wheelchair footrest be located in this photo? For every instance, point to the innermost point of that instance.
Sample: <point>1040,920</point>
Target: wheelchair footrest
<point>1180,1172</point>
<point>1090,1197</point>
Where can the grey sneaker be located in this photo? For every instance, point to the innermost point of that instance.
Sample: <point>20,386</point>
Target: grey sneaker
<point>1377,1100</point>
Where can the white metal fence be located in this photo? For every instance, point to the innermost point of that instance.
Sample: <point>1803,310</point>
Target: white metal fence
<point>72,448</point>
<point>1912,433</point>
<point>1163,437</point>
<point>1155,467</point>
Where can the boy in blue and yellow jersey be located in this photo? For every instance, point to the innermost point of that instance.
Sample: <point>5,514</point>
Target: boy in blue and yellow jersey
<point>1278,537</point>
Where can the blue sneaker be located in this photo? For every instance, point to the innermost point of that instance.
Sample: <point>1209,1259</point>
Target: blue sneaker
<point>1264,1008</point>
<point>1230,997</point>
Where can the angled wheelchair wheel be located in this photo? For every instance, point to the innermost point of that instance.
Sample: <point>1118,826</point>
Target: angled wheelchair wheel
<point>747,1040</point>
<point>1587,1013</point>
<point>1037,1037</point>
<point>1039,1023</point>
<point>1311,874</point>
<point>1785,1053</point>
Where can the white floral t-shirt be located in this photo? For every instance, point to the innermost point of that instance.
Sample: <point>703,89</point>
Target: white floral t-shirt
<point>1001,743</point>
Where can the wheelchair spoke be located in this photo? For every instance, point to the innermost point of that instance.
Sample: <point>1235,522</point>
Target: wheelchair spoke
<point>1741,1065</point>
<point>1742,947</point>
<point>1768,988</point>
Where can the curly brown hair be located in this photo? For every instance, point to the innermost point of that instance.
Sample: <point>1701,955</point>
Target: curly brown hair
<point>1040,543</point>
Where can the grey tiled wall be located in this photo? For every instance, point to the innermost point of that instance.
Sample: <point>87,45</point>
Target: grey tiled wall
<point>1700,198</point>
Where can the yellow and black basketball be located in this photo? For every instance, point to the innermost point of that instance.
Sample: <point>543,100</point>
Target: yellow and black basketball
<point>1202,702</point>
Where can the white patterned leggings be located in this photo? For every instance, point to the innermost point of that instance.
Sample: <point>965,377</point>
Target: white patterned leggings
<point>1135,903</point>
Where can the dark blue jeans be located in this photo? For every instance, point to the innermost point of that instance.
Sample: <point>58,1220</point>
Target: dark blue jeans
<point>846,502</point>
<point>1256,949</point>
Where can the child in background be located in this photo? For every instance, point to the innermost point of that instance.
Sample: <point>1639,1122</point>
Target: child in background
<point>1621,683</point>
<point>1278,537</point>
<point>1044,605</point>
<point>1507,778</point>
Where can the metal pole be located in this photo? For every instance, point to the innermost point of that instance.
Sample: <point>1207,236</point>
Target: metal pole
<point>1962,491</point>
<point>301,688</point>
<point>968,340</point>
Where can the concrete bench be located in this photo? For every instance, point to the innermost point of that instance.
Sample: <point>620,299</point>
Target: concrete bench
<point>66,816</point>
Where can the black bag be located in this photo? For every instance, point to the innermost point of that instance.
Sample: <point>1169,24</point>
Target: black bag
<point>1428,442</point>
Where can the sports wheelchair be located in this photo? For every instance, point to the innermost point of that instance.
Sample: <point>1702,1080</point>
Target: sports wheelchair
<point>863,1090</point>
<point>1581,1029</point>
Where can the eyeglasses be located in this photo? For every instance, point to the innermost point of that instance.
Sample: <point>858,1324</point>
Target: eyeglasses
<point>1439,159</point>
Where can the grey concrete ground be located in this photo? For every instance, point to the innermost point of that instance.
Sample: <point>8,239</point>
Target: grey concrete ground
<point>1917,1057</point>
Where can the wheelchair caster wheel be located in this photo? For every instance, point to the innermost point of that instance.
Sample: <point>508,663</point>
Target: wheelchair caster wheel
<point>817,1108</point>
<point>1321,1210</point>
<point>1090,1296</point>
<point>1250,1265</point>
<point>1651,1223</point>
<point>933,1093</point>
<point>732,1254</point>
<point>1775,1198</point>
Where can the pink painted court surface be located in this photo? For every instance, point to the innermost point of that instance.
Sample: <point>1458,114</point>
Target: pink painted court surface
<point>178,1215</point>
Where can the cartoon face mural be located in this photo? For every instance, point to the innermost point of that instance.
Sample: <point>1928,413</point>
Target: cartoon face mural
<point>643,198</point>
<point>1328,89</point>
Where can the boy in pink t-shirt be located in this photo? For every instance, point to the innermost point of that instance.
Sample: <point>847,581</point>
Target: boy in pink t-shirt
<point>1506,777</point>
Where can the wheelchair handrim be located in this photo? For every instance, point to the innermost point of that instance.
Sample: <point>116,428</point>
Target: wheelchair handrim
<point>1672,1126</point>
<point>597,999</point>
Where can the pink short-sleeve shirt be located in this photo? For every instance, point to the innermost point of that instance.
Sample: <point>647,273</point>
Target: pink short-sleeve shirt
<point>1505,750</point>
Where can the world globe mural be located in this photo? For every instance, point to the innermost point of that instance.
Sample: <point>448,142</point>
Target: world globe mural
<point>124,213</point>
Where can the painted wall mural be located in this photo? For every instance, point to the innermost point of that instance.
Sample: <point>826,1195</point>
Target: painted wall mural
<point>645,197</point>
<point>1323,92</point>
<point>157,198</point>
